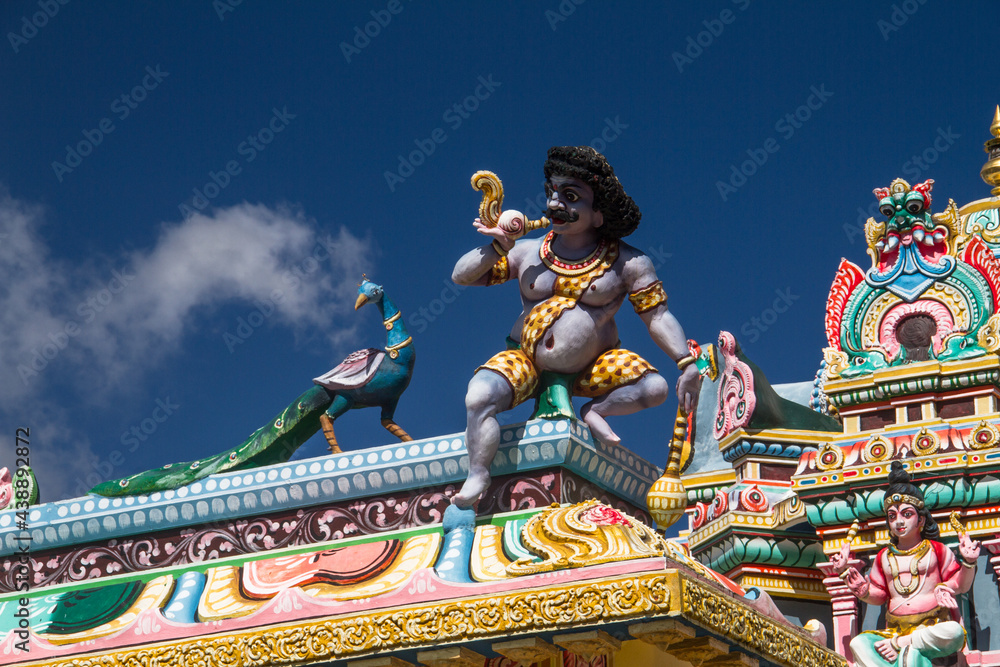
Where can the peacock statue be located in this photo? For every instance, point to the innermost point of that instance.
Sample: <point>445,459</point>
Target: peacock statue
<point>367,378</point>
<point>371,377</point>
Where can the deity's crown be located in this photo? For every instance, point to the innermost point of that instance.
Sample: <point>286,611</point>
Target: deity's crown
<point>901,187</point>
<point>902,499</point>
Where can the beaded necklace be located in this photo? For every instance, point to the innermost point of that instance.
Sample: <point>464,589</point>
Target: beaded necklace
<point>917,553</point>
<point>565,267</point>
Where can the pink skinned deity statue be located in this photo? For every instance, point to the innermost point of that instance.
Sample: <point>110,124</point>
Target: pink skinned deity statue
<point>917,578</point>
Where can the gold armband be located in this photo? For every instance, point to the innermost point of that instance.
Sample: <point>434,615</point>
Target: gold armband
<point>648,297</point>
<point>499,273</point>
<point>684,362</point>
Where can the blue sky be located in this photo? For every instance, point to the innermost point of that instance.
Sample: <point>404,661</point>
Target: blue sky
<point>170,168</point>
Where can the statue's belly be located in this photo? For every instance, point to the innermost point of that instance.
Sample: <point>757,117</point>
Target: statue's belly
<point>573,341</point>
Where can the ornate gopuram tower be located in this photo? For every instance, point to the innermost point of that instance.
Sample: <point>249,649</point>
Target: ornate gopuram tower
<point>911,373</point>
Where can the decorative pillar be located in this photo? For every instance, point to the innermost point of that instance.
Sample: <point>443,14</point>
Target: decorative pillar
<point>846,607</point>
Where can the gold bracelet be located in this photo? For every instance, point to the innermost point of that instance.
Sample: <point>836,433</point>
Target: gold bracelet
<point>896,647</point>
<point>684,362</point>
<point>499,248</point>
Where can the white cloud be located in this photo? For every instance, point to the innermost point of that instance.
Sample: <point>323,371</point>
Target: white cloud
<point>64,325</point>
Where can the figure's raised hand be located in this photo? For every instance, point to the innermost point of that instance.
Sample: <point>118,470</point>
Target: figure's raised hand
<point>857,583</point>
<point>841,558</point>
<point>945,597</point>
<point>688,385</point>
<point>968,547</point>
<point>496,233</point>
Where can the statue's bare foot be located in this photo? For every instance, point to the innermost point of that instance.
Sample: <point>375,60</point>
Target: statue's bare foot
<point>600,429</point>
<point>473,489</point>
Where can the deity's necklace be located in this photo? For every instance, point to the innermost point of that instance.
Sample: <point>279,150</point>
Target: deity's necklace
<point>917,553</point>
<point>567,268</point>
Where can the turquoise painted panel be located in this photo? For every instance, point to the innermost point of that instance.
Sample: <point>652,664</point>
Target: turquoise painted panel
<point>534,445</point>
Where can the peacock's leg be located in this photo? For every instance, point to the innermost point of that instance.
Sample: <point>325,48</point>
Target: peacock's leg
<point>340,405</point>
<point>392,427</point>
<point>396,430</point>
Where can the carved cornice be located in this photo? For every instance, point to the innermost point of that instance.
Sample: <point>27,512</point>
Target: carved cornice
<point>420,626</point>
<point>557,608</point>
<point>736,621</point>
<point>913,379</point>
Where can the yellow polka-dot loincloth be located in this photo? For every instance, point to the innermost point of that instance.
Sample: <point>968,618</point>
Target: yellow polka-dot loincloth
<point>613,369</point>
<point>519,372</point>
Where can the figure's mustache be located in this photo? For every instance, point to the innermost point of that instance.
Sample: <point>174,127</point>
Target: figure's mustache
<point>564,216</point>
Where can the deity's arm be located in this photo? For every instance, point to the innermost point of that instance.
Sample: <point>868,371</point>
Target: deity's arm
<point>878,587</point>
<point>491,264</point>
<point>956,575</point>
<point>646,293</point>
<point>870,590</point>
<point>650,302</point>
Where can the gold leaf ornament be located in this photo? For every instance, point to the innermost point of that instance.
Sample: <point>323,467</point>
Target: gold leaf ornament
<point>587,533</point>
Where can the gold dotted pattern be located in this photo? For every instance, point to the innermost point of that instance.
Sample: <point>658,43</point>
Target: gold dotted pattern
<point>541,317</point>
<point>648,297</point>
<point>500,273</point>
<point>568,289</point>
<point>613,369</point>
<point>517,369</point>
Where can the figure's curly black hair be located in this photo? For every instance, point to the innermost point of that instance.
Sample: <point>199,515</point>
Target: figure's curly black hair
<point>900,482</point>
<point>621,215</point>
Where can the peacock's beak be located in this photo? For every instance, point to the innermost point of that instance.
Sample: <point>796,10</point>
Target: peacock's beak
<point>362,300</point>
